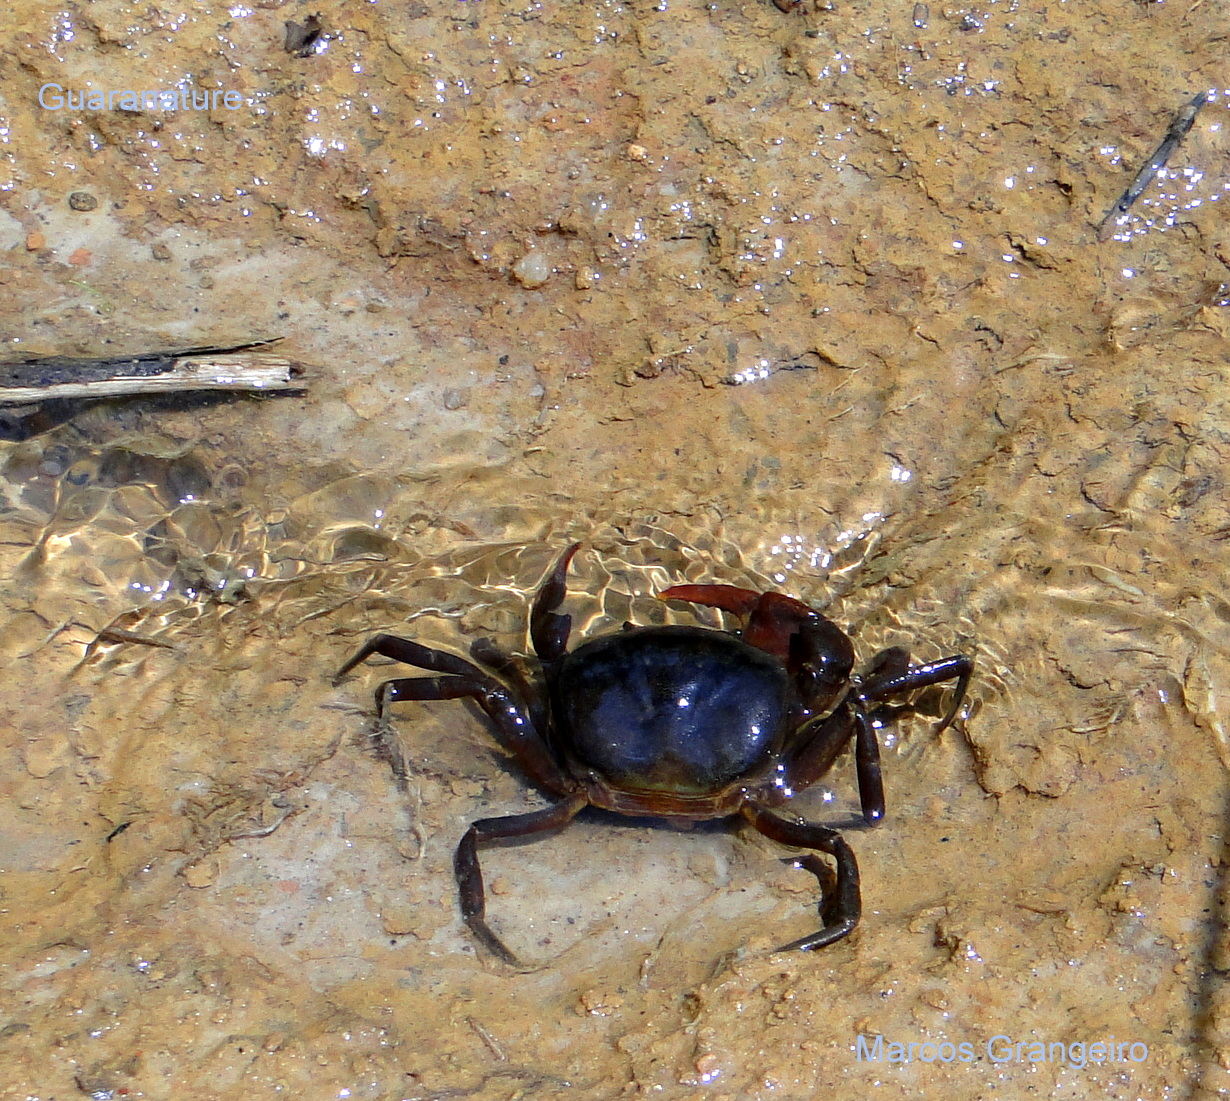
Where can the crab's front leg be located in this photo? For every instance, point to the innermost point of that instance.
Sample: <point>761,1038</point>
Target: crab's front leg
<point>891,674</point>
<point>819,745</point>
<point>841,909</point>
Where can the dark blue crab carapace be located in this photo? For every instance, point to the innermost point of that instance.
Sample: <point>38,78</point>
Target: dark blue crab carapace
<point>678,722</point>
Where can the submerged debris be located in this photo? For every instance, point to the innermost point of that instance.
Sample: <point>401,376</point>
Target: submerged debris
<point>1175,133</point>
<point>302,38</point>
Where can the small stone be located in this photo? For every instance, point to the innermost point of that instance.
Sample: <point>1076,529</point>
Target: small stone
<point>532,270</point>
<point>398,919</point>
<point>637,152</point>
<point>81,258</point>
<point>82,200</point>
<point>599,1003</point>
<point>707,1065</point>
<point>35,241</point>
<point>160,252</point>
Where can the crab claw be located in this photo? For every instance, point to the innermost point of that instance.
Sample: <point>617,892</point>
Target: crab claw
<point>773,620</point>
<point>726,597</point>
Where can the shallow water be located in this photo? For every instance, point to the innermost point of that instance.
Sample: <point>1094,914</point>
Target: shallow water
<point>812,301</point>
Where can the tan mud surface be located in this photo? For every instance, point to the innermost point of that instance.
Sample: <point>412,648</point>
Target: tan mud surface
<point>812,300</point>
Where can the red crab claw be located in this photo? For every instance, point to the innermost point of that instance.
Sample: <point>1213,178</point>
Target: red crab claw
<point>772,620</point>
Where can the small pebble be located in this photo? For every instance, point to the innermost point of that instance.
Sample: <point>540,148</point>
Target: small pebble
<point>532,270</point>
<point>82,200</point>
<point>454,399</point>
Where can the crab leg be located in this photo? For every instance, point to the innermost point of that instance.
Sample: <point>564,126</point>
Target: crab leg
<point>839,913</point>
<point>889,679</point>
<point>487,831</point>
<point>867,767</point>
<point>509,715</point>
<point>824,743</point>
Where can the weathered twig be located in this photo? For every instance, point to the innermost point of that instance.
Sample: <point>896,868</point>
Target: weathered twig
<point>221,368</point>
<point>1175,133</point>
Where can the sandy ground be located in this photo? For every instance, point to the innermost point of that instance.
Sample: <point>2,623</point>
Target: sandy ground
<point>813,300</point>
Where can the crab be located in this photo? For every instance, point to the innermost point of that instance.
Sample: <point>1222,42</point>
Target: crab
<point>679,722</point>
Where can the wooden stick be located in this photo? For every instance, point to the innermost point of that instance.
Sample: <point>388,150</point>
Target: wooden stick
<point>1175,133</point>
<point>234,368</point>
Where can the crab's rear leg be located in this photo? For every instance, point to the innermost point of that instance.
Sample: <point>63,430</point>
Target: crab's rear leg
<point>509,715</point>
<point>488,654</point>
<point>488,831</point>
<point>409,653</point>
